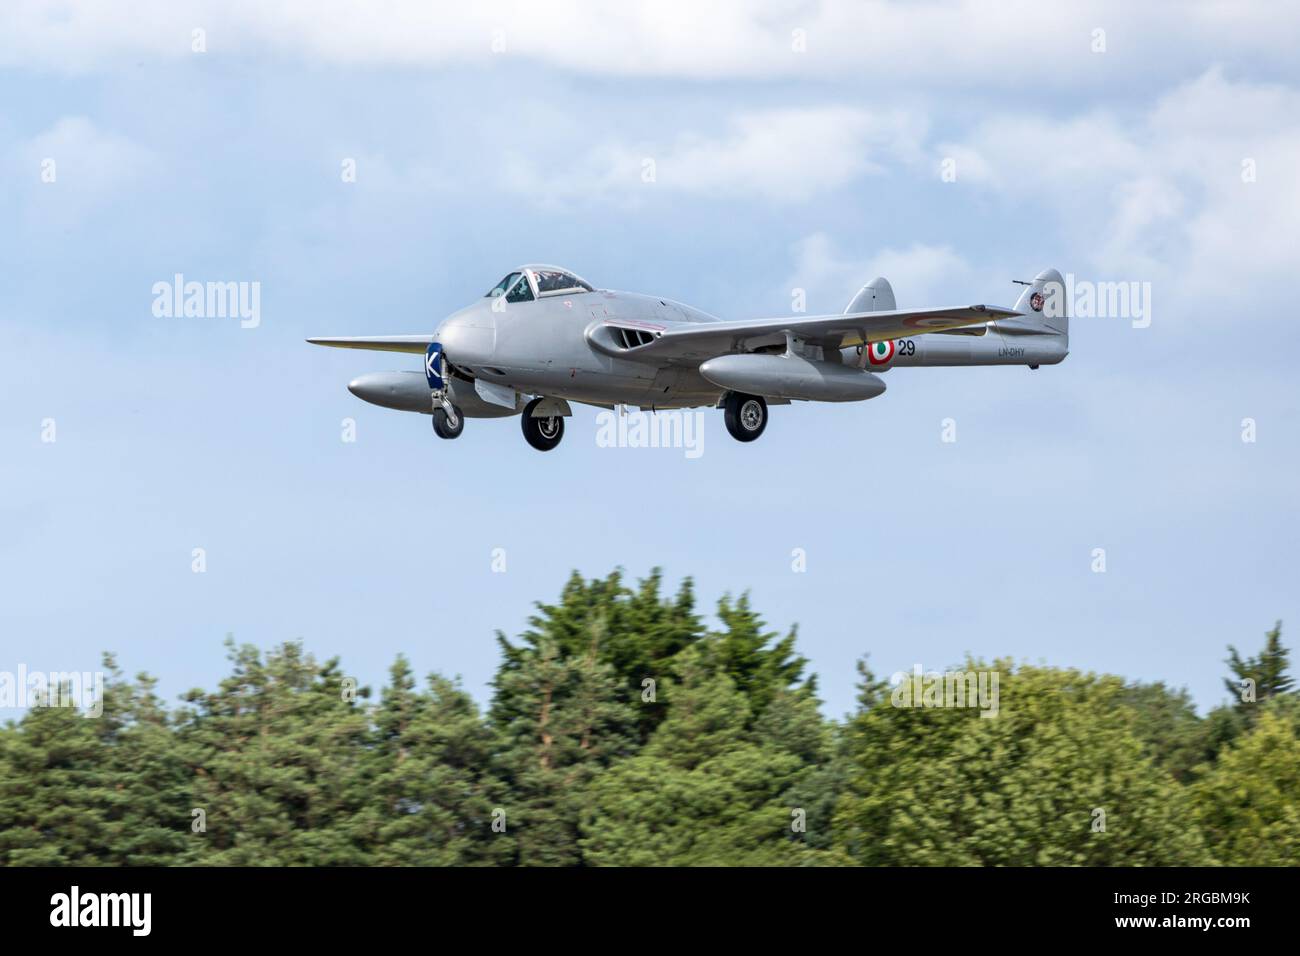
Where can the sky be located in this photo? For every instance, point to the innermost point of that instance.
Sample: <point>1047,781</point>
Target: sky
<point>796,148</point>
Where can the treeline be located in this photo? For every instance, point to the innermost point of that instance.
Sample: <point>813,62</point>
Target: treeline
<point>623,731</point>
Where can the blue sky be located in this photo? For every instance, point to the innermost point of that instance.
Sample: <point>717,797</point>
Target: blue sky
<point>776,169</point>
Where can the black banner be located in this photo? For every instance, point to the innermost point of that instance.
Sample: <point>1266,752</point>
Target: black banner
<point>340,906</point>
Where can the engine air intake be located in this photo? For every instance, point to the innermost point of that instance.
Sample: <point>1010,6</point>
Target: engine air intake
<point>631,338</point>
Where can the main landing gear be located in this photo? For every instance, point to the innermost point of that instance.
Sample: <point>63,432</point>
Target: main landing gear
<point>542,433</point>
<point>745,415</point>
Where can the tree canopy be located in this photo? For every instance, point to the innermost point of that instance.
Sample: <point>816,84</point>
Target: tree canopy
<point>625,728</point>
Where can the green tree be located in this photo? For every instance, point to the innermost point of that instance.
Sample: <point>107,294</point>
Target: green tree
<point>1248,803</point>
<point>81,789</point>
<point>819,790</point>
<point>150,805</point>
<point>279,759</point>
<point>1032,786</point>
<point>1263,676</point>
<point>759,662</point>
<point>53,790</point>
<point>431,795</point>
<point>729,763</point>
<point>642,632</point>
<point>1177,739</point>
<point>705,790</point>
<point>560,721</point>
<point>1255,682</point>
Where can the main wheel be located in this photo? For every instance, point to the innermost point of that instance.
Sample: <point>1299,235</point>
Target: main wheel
<point>448,426</point>
<point>542,433</point>
<point>746,415</point>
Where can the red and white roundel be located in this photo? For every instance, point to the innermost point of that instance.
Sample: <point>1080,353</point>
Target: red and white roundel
<point>881,353</point>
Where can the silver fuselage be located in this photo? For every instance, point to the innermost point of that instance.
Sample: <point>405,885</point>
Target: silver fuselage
<point>550,346</point>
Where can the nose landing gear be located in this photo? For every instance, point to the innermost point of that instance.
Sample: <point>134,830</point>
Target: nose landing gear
<point>448,422</point>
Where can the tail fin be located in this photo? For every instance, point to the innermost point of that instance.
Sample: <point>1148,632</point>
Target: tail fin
<point>875,296</point>
<point>1043,306</point>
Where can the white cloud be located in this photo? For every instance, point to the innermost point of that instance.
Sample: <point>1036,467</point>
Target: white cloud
<point>783,155</point>
<point>939,44</point>
<point>1161,195</point>
<point>920,274</point>
<point>73,167</point>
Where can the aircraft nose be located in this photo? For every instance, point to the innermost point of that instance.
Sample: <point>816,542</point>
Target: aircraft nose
<point>468,336</point>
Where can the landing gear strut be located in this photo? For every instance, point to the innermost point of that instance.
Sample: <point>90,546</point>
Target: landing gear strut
<point>448,422</point>
<point>542,433</point>
<point>745,415</point>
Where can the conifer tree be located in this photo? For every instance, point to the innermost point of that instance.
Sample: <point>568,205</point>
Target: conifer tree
<point>86,789</point>
<point>279,761</point>
<point>705,790</point>
<point>55,788</point>
<point>431,793</point>
<point>759,662</point>
<point>1259,677</point>
<point>560,721</point>
<point>728,762</point>
<point>642,632</point>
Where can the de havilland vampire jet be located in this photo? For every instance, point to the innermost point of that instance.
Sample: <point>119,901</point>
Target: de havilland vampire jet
<point>542,337</point>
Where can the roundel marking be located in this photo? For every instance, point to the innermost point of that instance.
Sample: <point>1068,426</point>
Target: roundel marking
<point>927,322</point>
<point>881,353</point>
<point>1036,302</point>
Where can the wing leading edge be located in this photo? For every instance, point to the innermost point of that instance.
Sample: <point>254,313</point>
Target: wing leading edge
<point>379,343</point>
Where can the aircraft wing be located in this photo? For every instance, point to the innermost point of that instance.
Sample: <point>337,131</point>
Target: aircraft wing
<point>705,340</point>
<point>379,343</point>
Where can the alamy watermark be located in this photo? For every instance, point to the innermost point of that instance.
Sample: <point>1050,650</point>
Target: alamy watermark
<point>953,689</point>
<point>670,428</point>
<point>1088,299</point>
<point>83,690</point>
<point>180,299</point>
<point>75,908</point>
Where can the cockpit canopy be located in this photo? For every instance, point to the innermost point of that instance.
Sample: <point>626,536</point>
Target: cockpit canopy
<point>537,281</point>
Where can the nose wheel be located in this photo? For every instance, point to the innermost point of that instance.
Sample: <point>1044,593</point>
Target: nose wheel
<point>448,422</point>
<point>542,433</point>
<point>745,415</point>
